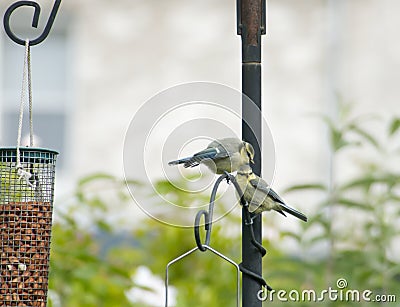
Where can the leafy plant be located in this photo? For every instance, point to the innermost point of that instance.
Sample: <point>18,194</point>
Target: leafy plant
<point>352,234</point>
<point>358,219</point>
<point>87,271</point>
<point>81,274</point>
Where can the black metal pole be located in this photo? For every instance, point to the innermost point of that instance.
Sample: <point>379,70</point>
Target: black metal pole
<point>251,25</point>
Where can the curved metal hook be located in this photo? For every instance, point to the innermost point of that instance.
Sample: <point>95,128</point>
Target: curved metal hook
<point>197,229</point>
<point>35,20</point>
<point>208,217</point>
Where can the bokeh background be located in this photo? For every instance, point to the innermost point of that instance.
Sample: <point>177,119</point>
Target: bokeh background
<point>330,97</point>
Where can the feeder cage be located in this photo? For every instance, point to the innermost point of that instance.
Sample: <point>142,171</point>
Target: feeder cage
<point>26,207</point>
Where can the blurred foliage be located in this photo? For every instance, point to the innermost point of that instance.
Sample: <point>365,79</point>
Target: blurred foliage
<point>79,274</point>
<point>82,275</point>
<point>357,220</point>
<point>351,234</point>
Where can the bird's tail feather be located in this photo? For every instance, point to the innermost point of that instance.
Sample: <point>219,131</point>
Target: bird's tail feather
<point>294,212</point>
<point>179,161</point>
<point>195,159</point>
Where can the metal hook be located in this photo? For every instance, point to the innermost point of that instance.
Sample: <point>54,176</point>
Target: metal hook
<point>208,217</point>
<point>35,21</point>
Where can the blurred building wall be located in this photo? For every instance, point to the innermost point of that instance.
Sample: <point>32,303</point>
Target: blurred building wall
<point>121,53</point>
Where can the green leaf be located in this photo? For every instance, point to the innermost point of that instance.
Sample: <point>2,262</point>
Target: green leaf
<point>391,179</point>
<point>363,182</point>
<point>163,187</point>
<point>290,234</point>
<point>97,203</point>
<point>367,136</point>
<point>104,226</point>
<point>348,203</point>
<point>394,126</point>
<point>336,134</point>
<point>317,238</point>
<point>95,177</point>
<point>80,196</point>
<point>337,139</point>
<point>307,186</point>
<point>133,182</point>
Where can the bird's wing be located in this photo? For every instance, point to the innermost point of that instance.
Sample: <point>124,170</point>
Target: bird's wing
<point>261,185</point>
<point>218,149</point>
<point>208,153</point>
<point>218,152</point>
<point>225,147</point>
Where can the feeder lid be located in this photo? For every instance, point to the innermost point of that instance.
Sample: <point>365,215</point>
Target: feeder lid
<point>28,154</point>
<point>33,149</point>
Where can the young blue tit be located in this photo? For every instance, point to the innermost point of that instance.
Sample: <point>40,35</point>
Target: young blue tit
<point>260,196</point>
<point>224,155</point>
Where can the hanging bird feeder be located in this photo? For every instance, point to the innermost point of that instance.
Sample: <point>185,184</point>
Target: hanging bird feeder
<point>26,206</point>
<point>27,177</point>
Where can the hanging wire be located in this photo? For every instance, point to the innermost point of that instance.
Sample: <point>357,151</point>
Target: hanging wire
<point>29,177</point>
<point>26,85</point>
<point>206,247</point>
<point>29,71</point>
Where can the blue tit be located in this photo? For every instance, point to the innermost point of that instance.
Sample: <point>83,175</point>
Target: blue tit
<point>224,155</point>
<point>260,196</point>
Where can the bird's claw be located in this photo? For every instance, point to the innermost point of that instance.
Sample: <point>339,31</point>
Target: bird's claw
<point>228,177</point>
<point>254,217</point>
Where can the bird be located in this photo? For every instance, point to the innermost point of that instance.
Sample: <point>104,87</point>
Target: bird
<point>260,196</point>
<point>223,155</point>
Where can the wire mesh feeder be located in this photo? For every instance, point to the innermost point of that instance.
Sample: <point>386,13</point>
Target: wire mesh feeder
<point>26,205</point>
